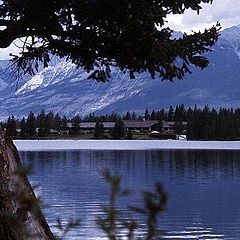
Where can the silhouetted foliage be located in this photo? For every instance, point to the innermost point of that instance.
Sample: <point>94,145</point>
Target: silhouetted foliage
<point>113,224</point>
<point>118,131</point>
<point>65,228</point>
<point>75,124</point>
<point>134,116</point>
<point>31,124</point>
<point>147,115</point>
<point>210,124</point>
<point>98,34</point>
<point>23,128</point>
<point>158,126</point>
<point>11,127</point>
<point>127,116</point>
<point>41,123</point>
<point>99,130</point>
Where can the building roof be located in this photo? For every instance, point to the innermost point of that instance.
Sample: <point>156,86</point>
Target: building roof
<point>171,123</point>
<point>139,124</point>
<point>109,124</point>
<point>88,125</point>
<point>129,124</point>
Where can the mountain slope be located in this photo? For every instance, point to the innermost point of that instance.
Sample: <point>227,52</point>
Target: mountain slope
<point>65,89</point>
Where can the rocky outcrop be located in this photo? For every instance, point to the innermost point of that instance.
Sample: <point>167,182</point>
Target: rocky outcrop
<point>20,215</point>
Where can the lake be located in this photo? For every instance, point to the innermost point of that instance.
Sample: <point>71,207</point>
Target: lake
<point>203,188</point>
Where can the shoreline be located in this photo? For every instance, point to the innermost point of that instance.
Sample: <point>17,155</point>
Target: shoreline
<point>55,145</point>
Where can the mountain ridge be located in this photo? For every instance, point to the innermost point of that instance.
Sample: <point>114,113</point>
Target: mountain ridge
<point>66,90</point>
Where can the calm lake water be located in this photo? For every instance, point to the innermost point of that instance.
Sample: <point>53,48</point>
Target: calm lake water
<point>203,188</point>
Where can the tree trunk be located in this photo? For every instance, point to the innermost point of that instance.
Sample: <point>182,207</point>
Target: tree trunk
<point>20,215</point>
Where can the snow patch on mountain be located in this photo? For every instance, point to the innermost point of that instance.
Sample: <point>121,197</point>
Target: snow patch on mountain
<point>32,84</point>
<point>65,89</point>
<point>230,38</point>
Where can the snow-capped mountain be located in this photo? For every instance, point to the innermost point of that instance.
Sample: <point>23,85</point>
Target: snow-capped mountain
<point>65,89</point>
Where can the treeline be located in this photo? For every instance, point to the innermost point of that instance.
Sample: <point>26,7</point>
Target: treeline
<point>45,123</point>
<point>203,124</point>
<point>34,125</point>
<point>210,124</point>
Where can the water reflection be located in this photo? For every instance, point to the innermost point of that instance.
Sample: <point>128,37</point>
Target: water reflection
<point>203,186</point>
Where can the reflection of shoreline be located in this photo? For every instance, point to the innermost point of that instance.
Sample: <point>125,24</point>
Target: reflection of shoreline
<point>177,164</point>
<point>41,145</point>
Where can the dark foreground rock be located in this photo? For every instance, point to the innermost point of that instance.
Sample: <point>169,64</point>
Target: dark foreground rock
<point>20,214</point>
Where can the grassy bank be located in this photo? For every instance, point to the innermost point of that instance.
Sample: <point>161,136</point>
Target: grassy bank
<point>88,136</point>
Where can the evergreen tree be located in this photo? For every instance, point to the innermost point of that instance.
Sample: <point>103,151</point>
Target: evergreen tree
<point>192,129</point>
<point>99,130</point>
<point>98,34</point>
<point>127,116</point>
<point>57,122</point>
<point>179,116</point>
<point>209,124</point>
<point>31,124</point>
<point>134,116</point>
<point>147,115</point>
<point>113,117</point>
<point>170,114</point>
<point>118,131</point>
<point>161,115</point>
<point>158,126</point>
<point>189,113</point>
<point>40,123</point>
<point>23,127</point>
<point>47,124</point>
<point>237,123</point>
<point>76,124</point>
<point>64,123</point>
<point>50,119</point>
<point>206,122</point>
<point>11,127</point>
<point>153,115</point>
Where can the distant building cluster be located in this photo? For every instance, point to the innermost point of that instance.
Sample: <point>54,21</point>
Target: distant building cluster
<point>160,129</point>
<point>117,129</point>
<point>178,123</point>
